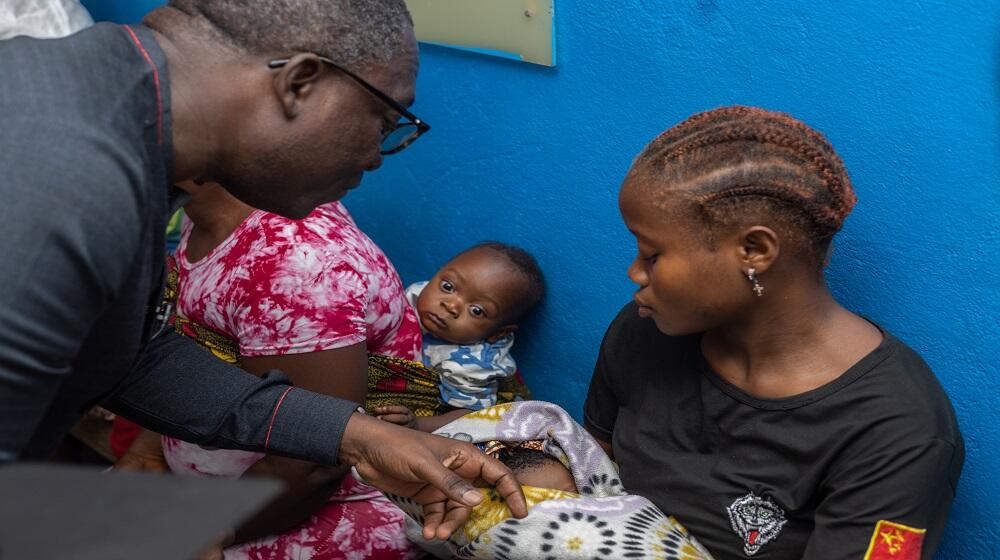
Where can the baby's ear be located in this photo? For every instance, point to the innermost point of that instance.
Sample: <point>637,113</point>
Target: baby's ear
<point>504,331</point>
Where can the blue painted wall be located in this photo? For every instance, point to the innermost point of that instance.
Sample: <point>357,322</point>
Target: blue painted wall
<point>909,95</point>
<point>122,11</point>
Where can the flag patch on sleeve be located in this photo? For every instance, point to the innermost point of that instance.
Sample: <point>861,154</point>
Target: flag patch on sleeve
<point>895,541</point>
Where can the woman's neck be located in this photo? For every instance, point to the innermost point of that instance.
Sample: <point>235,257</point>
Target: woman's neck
<point>215,215</point>
<point>790,343</point>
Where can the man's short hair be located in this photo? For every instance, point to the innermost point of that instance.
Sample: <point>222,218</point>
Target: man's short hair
<point>354,33</point>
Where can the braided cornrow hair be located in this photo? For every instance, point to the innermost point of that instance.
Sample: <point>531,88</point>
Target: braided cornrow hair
<point>738,163</point>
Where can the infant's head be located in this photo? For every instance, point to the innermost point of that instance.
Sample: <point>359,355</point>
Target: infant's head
<point>537,468</point>
<point>480,294</point>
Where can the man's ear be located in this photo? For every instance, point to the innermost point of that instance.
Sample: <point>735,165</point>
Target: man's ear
<point>504,331</point>
<point>296,80</point>
<point>759,247</point>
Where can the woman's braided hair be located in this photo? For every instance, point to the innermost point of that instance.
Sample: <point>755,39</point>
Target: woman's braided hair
<point>741,163</point>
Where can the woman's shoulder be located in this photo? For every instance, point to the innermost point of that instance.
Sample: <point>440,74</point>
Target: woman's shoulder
<point>904,374</point>
<point>329,223</point>
<point>329,233</point>
<point>896,420</point>
<point>899,391</point>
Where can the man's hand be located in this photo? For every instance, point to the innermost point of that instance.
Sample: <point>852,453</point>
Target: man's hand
<point>396,414</point>
<point>431,470</point>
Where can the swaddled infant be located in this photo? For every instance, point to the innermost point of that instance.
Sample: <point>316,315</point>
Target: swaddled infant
<point>577,506</point>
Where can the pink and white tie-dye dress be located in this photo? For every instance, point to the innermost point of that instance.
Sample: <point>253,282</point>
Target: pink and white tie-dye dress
<point>277,287</point>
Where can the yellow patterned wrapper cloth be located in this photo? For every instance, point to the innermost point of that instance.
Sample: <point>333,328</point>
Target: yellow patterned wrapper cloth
<point>494,509</point>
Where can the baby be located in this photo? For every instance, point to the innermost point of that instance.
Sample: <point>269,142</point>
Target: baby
<point>532,466</point>
<point>577,507</point>
<point>469,312</point>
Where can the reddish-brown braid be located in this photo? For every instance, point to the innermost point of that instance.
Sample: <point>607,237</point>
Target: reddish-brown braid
<point>736,162</point>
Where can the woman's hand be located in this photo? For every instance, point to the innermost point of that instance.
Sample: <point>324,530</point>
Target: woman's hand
<point>217,550</point>
<point>140,462</point>
<point>145,454</point>
<point>431,470</point>
<point>396,414</point>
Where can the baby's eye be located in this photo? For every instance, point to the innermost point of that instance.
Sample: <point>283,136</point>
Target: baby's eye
<point>650,260</point>
<point>477,311</point>
<point>447,287</point>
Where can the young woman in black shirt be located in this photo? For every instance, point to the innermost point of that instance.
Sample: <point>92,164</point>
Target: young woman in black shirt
<point>735,391</point>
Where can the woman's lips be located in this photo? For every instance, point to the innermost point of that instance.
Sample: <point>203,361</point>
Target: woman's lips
<point>644,310</point>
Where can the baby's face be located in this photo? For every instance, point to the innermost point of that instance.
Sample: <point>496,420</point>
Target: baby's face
<point>469,299</point>
<point>550,474</point>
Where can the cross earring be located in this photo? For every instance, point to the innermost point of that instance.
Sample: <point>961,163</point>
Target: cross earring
<point>758,290</point>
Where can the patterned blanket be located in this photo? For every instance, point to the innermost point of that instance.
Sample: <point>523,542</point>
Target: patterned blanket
<point>602,521</point>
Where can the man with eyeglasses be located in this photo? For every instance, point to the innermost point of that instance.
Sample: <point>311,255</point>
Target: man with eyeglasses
<point>287,103</point>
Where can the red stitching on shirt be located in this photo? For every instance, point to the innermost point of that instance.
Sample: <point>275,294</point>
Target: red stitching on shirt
<point>267,438</point>
<point>156,82</point>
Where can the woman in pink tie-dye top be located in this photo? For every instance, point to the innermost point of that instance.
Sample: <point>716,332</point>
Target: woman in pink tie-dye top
<point>310,298</point>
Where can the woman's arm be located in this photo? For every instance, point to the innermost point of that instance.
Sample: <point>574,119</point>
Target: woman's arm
<point>404,416</point>
<point>430,423</point>
<point>890,502</point>
<point>605,445</point>
<point>341,372</point>
<point>600,410</point>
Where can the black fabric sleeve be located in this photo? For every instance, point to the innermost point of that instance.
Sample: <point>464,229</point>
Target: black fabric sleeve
<point>600,411</point>
<point>906,484</point>
<point>69,238</point>
<point>182,390</point>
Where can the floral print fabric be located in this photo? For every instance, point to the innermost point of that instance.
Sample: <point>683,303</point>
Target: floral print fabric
<point>278,287</point>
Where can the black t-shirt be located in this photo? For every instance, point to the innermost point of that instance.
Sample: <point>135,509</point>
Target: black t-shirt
<point>868,462</point>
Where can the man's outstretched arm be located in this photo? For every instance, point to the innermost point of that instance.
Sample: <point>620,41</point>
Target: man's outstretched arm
<point>182,390</point>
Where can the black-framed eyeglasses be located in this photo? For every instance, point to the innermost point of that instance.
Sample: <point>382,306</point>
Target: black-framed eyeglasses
<point>402,134</point>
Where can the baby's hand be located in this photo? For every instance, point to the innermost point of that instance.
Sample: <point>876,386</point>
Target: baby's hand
<point>397,414</point>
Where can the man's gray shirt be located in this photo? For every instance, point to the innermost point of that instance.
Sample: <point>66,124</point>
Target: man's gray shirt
<point>85,194</point>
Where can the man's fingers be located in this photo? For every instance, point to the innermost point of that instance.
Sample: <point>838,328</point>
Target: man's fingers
<point>455,516</point>
<point>497,474</point>
<point>433,515</point>
<point>441,477</point>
